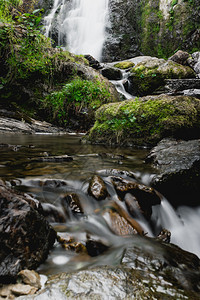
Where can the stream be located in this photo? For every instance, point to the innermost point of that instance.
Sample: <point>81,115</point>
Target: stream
<point>20,166</point>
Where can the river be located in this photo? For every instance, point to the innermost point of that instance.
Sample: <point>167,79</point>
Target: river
<point>19,165</point>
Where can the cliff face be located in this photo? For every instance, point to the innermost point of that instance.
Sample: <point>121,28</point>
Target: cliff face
<point>152,27</point>
<point>123,30</point>
<point>147,27</point>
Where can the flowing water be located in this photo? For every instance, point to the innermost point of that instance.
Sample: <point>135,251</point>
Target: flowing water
<point>80,25</point>
<point>20,166</point>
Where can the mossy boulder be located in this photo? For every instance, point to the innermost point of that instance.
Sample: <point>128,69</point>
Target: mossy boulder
<point>145,121</point>
<point>124,65</point>
<point>148,76</point>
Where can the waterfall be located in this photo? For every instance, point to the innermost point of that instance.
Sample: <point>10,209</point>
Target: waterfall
<point>80,25</point>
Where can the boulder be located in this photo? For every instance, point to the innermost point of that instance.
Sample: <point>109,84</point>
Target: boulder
<point>178,165</point>
<point>25,235</point>
<point>147,120</point>
<point>149,76</point>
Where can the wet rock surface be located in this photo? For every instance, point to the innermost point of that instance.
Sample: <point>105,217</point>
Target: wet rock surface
<point>179,165</point>
<point>26,237</point>
<point>141,197</point>
<point>97,188</point>
<point>174,274</point>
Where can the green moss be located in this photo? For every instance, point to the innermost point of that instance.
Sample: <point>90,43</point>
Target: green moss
<point>146,120</point>
<point>124,65</point>
<point>149,76</point>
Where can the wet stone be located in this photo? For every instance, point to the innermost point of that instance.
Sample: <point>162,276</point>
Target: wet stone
<point>23,289</point>
<point>97,188</point>
<point>146,196</point>
<point>25,235</point>
<point>72,203</point>
<point>30,277</point>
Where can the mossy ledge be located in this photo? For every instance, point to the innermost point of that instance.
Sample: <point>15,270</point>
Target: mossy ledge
<point>145,121</point>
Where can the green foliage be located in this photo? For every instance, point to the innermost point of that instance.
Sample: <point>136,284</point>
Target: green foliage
<point>77,94</point>
<point>7,8</point>
<point>24,49</point>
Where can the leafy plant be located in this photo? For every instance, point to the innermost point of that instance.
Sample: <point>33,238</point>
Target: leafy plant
<point>78,94</point>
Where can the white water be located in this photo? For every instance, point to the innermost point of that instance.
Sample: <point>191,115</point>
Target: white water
<point>183,225</point>
<point>81,25</point>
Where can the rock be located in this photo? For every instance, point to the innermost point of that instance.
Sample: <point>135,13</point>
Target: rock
<point>30,277</point>
<point>164,236</point>
<point>138,122</point>
<point>95,64</point>
<point>192,92</point>
<point>53,214</point>
<point>148,76</point>
<point>26,237</point>
<point>97,188</point>
<point>180,57</point>
<point>72,204</point>
<point>144,197</point>
<point>111,73</point>
<point>52,183</point>
<point>95,248</point>
<point>119,225</point>
<point>178,163</point>
<point>133,206</point>
<point>178,86</point>
<point>194,62</point>
<point>22,289</point>
<point>140,275</point>
<point>58,158</point>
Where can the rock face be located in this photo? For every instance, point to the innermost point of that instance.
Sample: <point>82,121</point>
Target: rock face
<point>152,27</point>
<point>147,120</point>
<point>169,25</point>
<point>122,30</point>
<point>178,163</point>
<point>25,235</point>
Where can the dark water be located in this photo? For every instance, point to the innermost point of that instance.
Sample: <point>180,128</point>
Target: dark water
<point>19,165</point>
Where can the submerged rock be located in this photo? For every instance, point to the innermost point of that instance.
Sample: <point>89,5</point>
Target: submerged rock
<point>178,163</point>
<point>26,236</point>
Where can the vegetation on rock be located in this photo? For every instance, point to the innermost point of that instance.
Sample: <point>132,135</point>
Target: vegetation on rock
<point>149,75</point>
<point>34,75</point>
<point>145,121</point>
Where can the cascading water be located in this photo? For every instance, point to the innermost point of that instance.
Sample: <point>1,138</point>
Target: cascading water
<point>80,24</point>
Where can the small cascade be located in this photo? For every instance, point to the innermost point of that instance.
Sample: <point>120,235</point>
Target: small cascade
<point>80,25</point>
<point>183,225</point>
<point>120,85</point>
